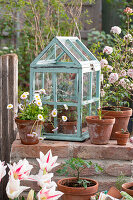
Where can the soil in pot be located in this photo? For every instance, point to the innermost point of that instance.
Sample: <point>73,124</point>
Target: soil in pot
<point>74,193</point>
<point>25,128</point>
<point>128,188</point>
<point>122,138</point>
<point>121,118</point>
<point>100,130</point>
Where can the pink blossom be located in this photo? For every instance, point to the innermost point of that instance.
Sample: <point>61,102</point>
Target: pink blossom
<point>103,63</point>
<point>130,73</point>
<point>113,78</point>
<point>102,93</point>
<point>122,73</point>
<point>55,129</point>
<point>131,50</point>
<point>47,162</point>
<point>131,139</point>
<point>116,29</point>
<point>123,83</point>
<point>2,170</point>
<point>20,170</point>
<point>132,63</point>
<point>45,193</point>
<point>109,68</point>
<point>107,50</point>
<point>128,37</point>
<point>128,10</point>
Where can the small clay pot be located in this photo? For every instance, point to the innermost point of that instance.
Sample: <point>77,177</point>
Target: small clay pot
<point>122,138</point>
<point>114,192</point>
<point>100,129</point>
<point>69,127</point>
<point>25,128</point>
<point>128,188</point>
<point>121,118</point>
<point>76,193</point>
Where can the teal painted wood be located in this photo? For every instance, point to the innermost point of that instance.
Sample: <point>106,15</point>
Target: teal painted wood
<point>52,64</point>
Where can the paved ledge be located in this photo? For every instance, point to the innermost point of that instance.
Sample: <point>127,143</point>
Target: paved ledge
<point>84,150</point>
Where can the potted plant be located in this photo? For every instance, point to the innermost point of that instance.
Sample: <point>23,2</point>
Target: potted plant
<point>122,137</point>
<point>76,187</point>
<point>30,117</point>
<point>100,128</point>
<point>117,70</point>
<point>69,125</point>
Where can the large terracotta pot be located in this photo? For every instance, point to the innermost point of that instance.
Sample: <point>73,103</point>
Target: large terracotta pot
<point>25,128</point>
<point>100,130</point>
<point>128,188</point>
<point>121,118</point>
<point>69,127</point>
<point>76,193</point>
<point>122,138</point>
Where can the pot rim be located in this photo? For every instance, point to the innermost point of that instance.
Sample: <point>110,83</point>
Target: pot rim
<point>127,185</point>
<point>104,120</point>
<point>74,178</point>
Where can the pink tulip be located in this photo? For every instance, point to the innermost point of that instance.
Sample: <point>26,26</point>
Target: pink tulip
<point>50,194</point>
<point>21,170</point>
<point>47,162</point>
<point>128,10</point>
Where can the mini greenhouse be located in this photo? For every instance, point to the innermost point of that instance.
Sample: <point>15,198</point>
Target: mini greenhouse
<point>70,74</point>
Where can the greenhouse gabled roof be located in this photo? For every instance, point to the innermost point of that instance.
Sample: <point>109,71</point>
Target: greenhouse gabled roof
<point>67,50</point>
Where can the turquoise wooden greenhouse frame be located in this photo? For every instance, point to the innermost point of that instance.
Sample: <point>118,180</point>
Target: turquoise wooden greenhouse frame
<point>68,55</point>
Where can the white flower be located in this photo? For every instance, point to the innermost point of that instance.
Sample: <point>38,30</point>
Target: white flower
<point>20,170</point>
<point>45,194</point>
<point>44,180</point>
<point>47,162</point>
<point>20,106</point>
<point>40,117</point>
<point>55,129</point>
<point>41,138</point>
<point>102,93</point>
<point>116,30</point>
<point>103,63</point>
<point>128,37</point>
<point>131,50</point>
<point>9,106</point>
<point>34,133</point>
<point>132,63</point>
<point>42,91</point>
<point>122,73</point>
<point>27,93</point>
<point>64,118</point>
<point>65,106</point>
<point>40,107</point>
<point>113,78</point>
<point>107,50</point>
<point>130,73</point>
<point>36,96</point>
<point>39,103</point>
<point>23,96</point>
<point>123,82</point>
<point>54,113</point>
<point>5,48</point>
<point>2,170</point>
<point>13,188</point>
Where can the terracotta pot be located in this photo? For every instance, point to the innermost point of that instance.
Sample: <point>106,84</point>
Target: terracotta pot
<point>25,127</point>
<point>76,193</point>
<point>122,138</point>
<point>114,192</point>
<point>121,118</point>
<point>100,130</point>
<point>69,127</point>
<point>127,188</point>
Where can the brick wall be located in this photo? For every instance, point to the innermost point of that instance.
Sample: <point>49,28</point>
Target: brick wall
<point>113,158</point>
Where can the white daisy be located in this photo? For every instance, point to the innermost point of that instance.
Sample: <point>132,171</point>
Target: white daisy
<point>27,93</point>
<point>40,107</point>
<point>40,117</point>
<point>9,106</point>
<point>42,91</point>
<point>54,113</point>
<point>36,96</point>
<point>64,118</point>
<point>23,96</point>
<point>65,106</point>
<point>39,103</point>
<point>34,133</point>
<point>20,106</point>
